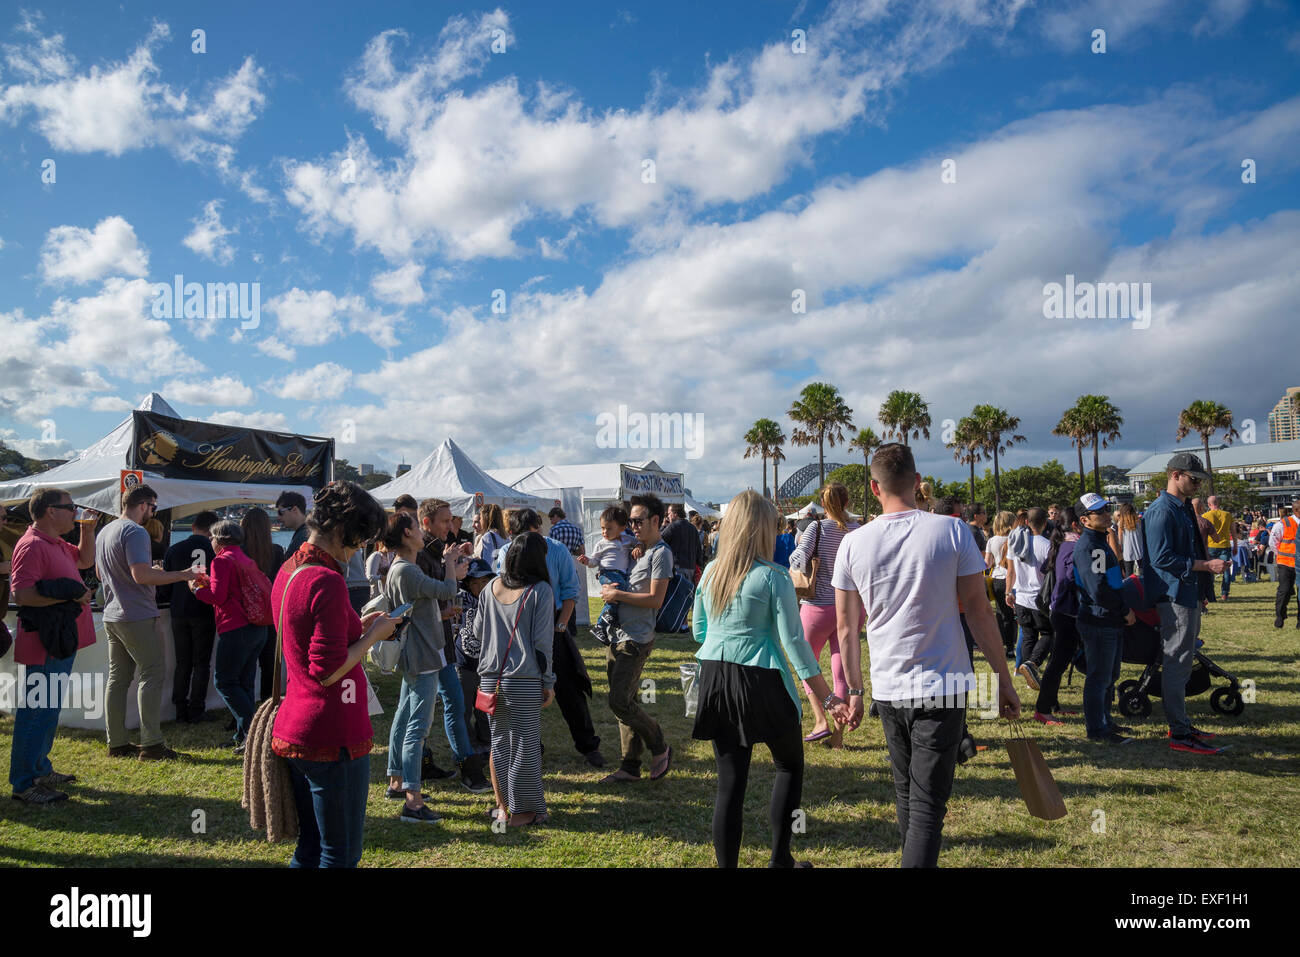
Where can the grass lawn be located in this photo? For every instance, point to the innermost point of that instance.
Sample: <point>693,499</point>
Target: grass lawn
<point>1160,808</point>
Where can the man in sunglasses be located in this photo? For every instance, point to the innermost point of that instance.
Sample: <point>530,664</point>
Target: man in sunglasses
<point>1175,552</point>
<point>291,507</point>
<point>123,558</point>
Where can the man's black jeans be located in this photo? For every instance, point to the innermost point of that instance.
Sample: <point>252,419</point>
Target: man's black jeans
<point>1285,589</point>
<point>923,756</point>
<point>193,639</point>
<point>571,693</point>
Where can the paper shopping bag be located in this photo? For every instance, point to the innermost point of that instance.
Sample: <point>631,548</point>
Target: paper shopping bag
<point>1037,787</point>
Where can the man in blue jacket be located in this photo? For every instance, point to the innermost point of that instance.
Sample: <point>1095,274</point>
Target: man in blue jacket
<point>1102,616</point>
<point>1173,555</point>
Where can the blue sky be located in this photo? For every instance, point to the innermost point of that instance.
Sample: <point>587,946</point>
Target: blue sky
<point>521,169</point>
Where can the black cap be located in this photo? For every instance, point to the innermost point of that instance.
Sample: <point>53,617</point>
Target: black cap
<point>1189,463</point>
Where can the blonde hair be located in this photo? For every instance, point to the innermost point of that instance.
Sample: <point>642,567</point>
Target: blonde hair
<point>749,535</point>
<point>1127,519</point>
<point>1003,522</point>
<point>835,499</point>
<point>925,497</point>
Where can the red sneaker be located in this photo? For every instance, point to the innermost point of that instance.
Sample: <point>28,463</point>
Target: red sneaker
<point>1192,745</point>
<point>1046,718</point>
<point>1196,733</point>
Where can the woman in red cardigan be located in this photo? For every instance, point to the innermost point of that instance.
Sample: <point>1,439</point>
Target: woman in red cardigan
<point>323,725</point>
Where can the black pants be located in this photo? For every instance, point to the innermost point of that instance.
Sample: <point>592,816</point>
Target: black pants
<point>571,697</point>
<point>733,776</point>
<point>193,639</point>
<point>923,756</point>
<point>1006,617</point>
<point>1037,631</point>
<point>266,661</point>
<point>480,732</point>
<point>1065,643</point>
<point>1285,589</point>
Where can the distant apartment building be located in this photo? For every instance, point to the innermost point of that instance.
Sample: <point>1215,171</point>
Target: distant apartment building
<point>367,469</point>
<point>402,470</point>
<point>1284,420</point>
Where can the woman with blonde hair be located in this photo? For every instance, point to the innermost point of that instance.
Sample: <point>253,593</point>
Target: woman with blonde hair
<point>747,620</point>
<point>995,559</point>
<point>925,497</point>
<point>1130,537</point>
<point>822,539</point>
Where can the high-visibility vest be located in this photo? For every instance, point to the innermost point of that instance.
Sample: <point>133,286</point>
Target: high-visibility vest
<point>1286,547</point>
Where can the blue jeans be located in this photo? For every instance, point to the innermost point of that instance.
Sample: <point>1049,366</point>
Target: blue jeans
<point>410,726</point>
<point>1226,576</point>
<point>331,801</point>
<point>612,576</point>
<point>1104,647</point>
<point>453,713</point>
<point>237,652</point>
<point>34,727</point>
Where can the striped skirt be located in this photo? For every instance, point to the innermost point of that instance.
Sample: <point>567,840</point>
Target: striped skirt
<point>517,743</point>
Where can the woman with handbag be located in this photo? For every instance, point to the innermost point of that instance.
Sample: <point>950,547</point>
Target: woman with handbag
<point>322,726</point>
<point>420,660</point>
<point>233,582</point>
<point>515,626</point>
<point>812,564</point>
<point>747,618</point>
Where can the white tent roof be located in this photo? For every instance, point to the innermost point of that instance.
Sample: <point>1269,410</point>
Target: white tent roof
<point>450,474</point>
<point>600,481</point>
<point>693,506</point>
<point>94,476</point>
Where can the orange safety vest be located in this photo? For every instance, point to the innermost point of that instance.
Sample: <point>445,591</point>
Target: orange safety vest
<point>1286,547</point>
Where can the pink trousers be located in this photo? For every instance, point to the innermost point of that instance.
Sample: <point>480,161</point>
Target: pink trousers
<point>820,627</point>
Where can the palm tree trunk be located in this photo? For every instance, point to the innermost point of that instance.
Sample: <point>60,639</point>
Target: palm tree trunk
<point>997,481</point>
<point>972,481</point>
<point>866,483</point>
<point>821,461</point>
<point>1096,467</point>
<point>776,486</point>
<point>1205,439</point>
<point>1082,487</point>
<point>764,475</point>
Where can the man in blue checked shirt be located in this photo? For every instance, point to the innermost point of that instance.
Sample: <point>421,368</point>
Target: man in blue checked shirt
<point>572,684</point>
<point>566,533</point>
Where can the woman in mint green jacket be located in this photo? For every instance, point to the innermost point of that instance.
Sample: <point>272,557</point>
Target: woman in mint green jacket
<point>745,614</point>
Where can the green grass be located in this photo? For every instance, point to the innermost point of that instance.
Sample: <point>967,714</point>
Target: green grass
<point>1161,808</point>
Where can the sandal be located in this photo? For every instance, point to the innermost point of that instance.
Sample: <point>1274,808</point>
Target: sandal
<point>668,763</point>
<point>817,735</point>
<point>537,819</point>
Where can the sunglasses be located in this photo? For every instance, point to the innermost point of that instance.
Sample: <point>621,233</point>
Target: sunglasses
<point>636,521</point>
<point>67,508</point>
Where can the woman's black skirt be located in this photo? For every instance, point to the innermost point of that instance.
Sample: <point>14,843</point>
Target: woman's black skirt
<point>743,702</point>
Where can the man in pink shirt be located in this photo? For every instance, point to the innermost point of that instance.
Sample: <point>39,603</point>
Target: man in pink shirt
<point>41,558</point>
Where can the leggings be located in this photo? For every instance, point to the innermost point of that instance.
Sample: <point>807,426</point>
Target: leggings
<point>1006,617</point>
<point>819,627</point>
<point>1064,646</point>
<point>733,776</point>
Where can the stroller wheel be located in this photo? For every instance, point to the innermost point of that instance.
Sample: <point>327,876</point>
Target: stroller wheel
<point>1124,687</point>
<point>1227,701</point>
<point>1134,704</point>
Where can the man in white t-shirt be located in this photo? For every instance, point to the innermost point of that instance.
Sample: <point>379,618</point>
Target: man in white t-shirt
<point>912,569</point>
<point>1024,578</point>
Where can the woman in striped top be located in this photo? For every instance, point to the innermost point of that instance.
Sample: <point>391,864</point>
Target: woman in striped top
<point>818,613</point>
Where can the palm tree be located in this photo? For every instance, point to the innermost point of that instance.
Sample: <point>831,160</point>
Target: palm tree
<point>967,447</point>
<point>1100,421</point>
<point>777,455</point>
<point>1069,426</point>
<point>990,424</point>
<point>763,437</point>
<point>1206,417</point>
<point>821,412</point>
<point>902,413</point>
<point>866,442</point>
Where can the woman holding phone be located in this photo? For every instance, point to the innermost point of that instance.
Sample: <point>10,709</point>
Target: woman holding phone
<point>421,659</point>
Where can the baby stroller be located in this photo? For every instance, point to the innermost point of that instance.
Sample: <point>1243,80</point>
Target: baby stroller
<point>1142,646</point>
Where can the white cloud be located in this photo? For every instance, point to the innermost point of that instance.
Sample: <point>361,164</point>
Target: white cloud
<point>276,349</point>
<point>317,317</point>
<point>325,381</point>
<point>41,448</point>
<point>209,237</point>
<point>83,255</point>
<point>274,421</point>
<point>110,403</point>
<point>400,286</point>
<point>218,390</point>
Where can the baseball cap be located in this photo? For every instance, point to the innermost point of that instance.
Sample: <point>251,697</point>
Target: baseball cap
<point>1189,463</point>
<point>1090,502</point>
<point>478,568</point>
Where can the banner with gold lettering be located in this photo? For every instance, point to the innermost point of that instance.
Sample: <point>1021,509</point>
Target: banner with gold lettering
<point>180,448</point>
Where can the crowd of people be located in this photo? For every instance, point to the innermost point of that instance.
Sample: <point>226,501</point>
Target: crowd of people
<point>485,623</point>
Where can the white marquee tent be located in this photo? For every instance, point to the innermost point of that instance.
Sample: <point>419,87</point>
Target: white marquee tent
<point>705,512</point>
<point>450,474</point>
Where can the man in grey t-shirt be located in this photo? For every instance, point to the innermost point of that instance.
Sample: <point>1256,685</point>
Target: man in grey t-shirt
<point>633,639</point>
<point>123,562</point>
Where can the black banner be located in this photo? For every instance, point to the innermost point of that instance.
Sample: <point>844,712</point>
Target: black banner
<point>178,448</point>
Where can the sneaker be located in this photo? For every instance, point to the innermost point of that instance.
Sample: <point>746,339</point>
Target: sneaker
<point>238,748</point>
<point>422,816</point>
<point>1110,737</point>
<point>472,779</point>
<point>1192,745</point>
<point>397,794</point>
<point>1122,729</point>
<point>124,751</point>
<point>1278,622</point>
<point>54,780</point>
<point>1197,733</point>
<point>39,794</point>
<point>1046,718</point>
<point>595,759</point>
<point>1030,674</point>
<point>158,752</point>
